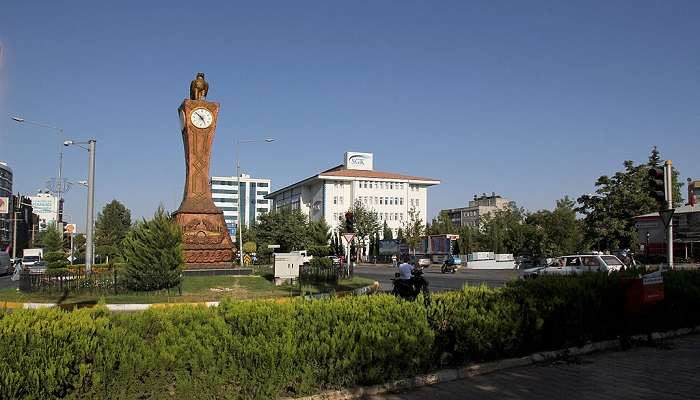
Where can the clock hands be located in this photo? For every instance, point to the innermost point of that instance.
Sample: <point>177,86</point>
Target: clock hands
<point>200,117</point>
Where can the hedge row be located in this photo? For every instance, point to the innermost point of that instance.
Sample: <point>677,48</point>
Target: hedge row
<point>262,350</point>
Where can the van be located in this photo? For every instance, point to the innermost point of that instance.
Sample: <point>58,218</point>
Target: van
<point>5,265</point>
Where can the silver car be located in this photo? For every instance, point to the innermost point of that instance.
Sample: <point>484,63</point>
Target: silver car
<point>576,265</point>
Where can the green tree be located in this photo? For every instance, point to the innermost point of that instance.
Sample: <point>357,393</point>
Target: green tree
<point>111,227</point>
<point>287,228</point>
<point>413,229</point>
<point>442,224</point>
<point>153,254</point>
<point>366,223</point>
<point>399,234</point>
<point>79,247</point>
<point>386,232</point>
<point>608,213</point>
<point>319,232</point>
<point>52,238</point>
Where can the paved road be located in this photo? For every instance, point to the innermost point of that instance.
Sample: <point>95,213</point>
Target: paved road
<point>5,282</point>
<point>666,371</point>
<point>437,280</point>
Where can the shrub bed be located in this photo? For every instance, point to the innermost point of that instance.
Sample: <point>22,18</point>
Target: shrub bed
<point>261,350</point>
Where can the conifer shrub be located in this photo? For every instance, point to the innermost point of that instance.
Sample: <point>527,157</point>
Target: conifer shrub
<point>153,254</point>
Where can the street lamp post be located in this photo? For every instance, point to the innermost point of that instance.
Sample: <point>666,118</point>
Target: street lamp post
<point>240,194</point>
<point>646,247</point>
<point>59,182</point>
<point>89,225</point>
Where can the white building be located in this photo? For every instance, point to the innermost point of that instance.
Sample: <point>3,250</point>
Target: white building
<point>331,193</point>
<point>48,208</point>
<point>6,194</point>
<point>225,191</point>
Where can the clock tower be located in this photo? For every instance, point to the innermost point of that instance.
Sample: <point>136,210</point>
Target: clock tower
<point>206,241</point>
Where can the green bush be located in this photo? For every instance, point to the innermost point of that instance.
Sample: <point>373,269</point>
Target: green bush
<point>319,251</point>
<point>257,350</point>
<point>321,262</point>
<point>153,254</point>
<point>55,260</point>
<point>262,350</point>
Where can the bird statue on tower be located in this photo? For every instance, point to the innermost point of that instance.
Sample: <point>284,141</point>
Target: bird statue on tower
<point>199,87</point>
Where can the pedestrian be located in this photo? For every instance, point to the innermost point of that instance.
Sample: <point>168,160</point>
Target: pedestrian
<point>393,260</point>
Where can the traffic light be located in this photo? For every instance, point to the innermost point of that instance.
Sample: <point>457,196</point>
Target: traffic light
<point>349,222</point>
<point>657,189</point>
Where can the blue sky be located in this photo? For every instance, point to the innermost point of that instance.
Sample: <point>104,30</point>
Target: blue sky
<point>533,101</point>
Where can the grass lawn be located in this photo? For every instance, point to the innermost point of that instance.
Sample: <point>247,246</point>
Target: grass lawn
<point>194,289</point>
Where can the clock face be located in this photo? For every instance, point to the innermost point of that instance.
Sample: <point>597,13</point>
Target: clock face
<point>201,118</point>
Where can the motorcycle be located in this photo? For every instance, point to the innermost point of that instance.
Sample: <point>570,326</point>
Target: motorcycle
<point>450,265</point>
<point>409,289</point>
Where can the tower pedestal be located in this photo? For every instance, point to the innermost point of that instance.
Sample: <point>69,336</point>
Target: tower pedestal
<point>205,237</point>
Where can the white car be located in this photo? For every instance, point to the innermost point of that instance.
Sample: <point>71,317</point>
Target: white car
<point>576,265</point>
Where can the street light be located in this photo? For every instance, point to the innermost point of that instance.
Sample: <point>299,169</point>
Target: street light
<point>59,183</point>
<point>89,226</point>
<point>238,177</point>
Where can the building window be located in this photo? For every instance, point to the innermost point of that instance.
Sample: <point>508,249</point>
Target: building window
<point>262,210</point>
<point>262,193</point>
<point>335,199</point>
<point>263,184</point>
<point>401,216</point>
<point>417,203</point>
<point>262,201</point>
<point>401,200</point>
<point>391,185</point>
<point>396,216</point>
<point>412,203</point>
<point>381,200</point>
<point>340,200</point>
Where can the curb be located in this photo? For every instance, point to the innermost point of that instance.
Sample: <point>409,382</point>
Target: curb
<point>145,306</point>
<point>469,371</point>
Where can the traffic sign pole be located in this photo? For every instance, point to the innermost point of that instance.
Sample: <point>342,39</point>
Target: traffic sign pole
<point>668,180</point>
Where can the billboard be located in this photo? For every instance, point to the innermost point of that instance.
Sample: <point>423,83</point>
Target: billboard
<point>4,205</point>
<point>388,247</point>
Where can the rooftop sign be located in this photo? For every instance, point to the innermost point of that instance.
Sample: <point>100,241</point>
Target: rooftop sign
<point>363,161</point>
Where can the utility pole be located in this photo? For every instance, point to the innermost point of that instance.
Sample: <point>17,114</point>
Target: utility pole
<point>14,235</point>
<point>90,254</point>
<point>668,187</point>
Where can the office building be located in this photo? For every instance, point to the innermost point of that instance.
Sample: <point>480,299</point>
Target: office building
<point>479,207</point>
<point>331,193</point>
<point>225,191</point>
<point>651,233</point>
<point>6,196</point>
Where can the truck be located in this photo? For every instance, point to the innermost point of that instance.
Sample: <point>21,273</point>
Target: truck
<point>32,256</point>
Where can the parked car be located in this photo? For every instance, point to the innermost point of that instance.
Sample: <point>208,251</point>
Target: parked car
<point>38,267</point>
<point>576,265</point>
<point>335,260</point>
<point>420,261</point>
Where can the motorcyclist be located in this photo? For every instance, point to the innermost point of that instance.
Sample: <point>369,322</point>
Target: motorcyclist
<point>409,281</point>
<point>405,270</point>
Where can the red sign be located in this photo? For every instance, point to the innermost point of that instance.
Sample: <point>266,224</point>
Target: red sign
<point>348,237</point>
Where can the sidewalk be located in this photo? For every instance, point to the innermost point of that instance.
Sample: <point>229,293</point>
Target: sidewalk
<point>666,371</point>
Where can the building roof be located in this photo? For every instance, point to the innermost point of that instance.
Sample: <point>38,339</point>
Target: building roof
<point>359,173</point>
<point>341,172</point>
<point>678,210</point>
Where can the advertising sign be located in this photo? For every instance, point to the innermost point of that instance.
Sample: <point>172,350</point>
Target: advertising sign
<point>70,228</point>
<point>4,205</point>
<point>388,247</point>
